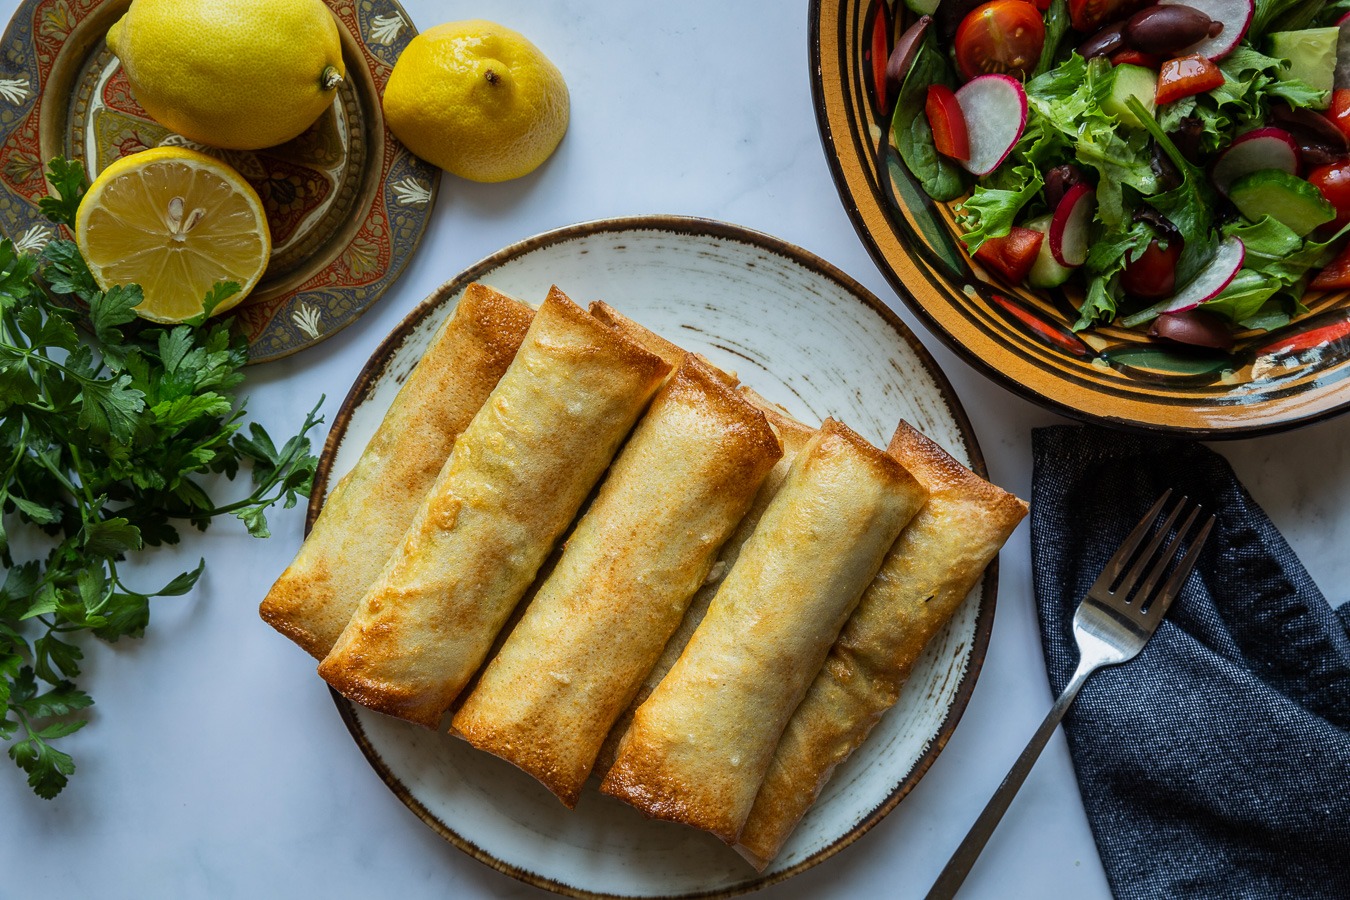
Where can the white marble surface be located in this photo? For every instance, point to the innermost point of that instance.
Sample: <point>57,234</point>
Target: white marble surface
<point>215,764</point>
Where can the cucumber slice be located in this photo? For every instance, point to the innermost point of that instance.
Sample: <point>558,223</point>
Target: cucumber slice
<point>1131,81</point>
<point>1046,272</point>
<point>1286,198</point>
<point>1311,55</point>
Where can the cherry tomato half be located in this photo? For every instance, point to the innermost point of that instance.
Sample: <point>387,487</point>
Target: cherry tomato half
<point>1003,37</point>
<point>1340,110</point>
<point>1152,275</point>
<point>1334,183</point>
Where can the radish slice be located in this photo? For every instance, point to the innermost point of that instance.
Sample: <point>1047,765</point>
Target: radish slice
<point>1263,148</point>
<point>1236,16</point>
<point>995,108</point>
<point>1069,227</point>
<point>1211,281</point>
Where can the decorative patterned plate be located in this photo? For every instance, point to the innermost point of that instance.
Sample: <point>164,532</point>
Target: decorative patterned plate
<point>346,202</point>
<point>1021,337</point>
<point>805,335</point>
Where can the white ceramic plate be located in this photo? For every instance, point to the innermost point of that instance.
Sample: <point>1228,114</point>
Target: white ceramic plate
<point>801,333</point>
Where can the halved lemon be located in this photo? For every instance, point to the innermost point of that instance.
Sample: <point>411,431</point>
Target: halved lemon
<point>176,222</point>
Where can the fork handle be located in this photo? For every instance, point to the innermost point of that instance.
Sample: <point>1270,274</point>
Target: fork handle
<point>960,864</point>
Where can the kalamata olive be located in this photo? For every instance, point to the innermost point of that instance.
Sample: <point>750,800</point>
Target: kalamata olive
<point>1310,125</point>
<point>902,57</point>
<point>1316,153</point>
<point>1059,179</point>
<point>1195,327</point>
<point>1167,29</point>
<point>1104,42</point>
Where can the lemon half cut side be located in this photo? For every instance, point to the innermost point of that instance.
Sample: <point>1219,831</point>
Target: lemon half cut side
<point>176,222</point>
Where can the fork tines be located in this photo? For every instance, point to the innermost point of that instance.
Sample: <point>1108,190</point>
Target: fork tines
<point>1148,566</point>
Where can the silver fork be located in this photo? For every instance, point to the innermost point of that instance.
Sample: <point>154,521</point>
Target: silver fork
<point>1113,623</point>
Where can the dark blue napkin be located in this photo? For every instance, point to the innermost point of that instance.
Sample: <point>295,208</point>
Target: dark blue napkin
<point>1217,763</point>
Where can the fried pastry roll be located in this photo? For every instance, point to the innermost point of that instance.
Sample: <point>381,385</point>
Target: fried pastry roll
<point>698,749</point>
<point>936,562</point>
<point>654,342</point>
<point>314,598</point>
<point>513,483</point>
<point>599,622</point>
<point>793,435</point>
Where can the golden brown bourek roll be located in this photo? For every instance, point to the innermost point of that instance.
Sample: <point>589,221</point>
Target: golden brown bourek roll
<point>514,482</point>
<point>314,598</point>
<point>933,566</point>
<point>598,623</point>
<point>793,436</point>
<point>698,749</point>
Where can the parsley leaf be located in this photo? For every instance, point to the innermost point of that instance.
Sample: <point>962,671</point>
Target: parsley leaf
<point>107,438</point>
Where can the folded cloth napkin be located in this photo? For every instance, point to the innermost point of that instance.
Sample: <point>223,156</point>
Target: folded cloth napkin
<point>1217,763</point>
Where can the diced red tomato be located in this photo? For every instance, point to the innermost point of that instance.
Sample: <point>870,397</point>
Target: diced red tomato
<point>1012,255</point>
<point>1334,183</point>
<point>1088,16</point>
<point>1336,274</point>
<point>1001,37</point>
<point>1340,110</point>
<point>1186,75</point>
<point>950,135</point>
<point>1135,58</point>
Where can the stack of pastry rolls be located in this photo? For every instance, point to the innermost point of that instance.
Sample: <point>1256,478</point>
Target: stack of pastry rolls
<point>738,599</point>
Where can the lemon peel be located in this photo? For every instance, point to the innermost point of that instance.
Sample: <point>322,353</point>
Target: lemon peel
<point>241,75</point>
<point>478,100</point>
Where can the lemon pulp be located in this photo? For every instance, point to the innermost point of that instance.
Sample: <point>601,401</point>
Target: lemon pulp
<point>176,222</point>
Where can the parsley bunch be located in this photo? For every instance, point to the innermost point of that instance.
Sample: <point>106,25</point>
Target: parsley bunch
<point>105,442</point>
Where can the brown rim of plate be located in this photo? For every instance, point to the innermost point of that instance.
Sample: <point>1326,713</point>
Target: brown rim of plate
<point>686,225</point>
<point>920,287</point>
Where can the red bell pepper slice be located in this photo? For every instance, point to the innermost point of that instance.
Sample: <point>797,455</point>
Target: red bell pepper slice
<point>950,135</point>
<point>881,51</point>
<point>1336,274</point>
<point>1184,76</point>
<point>1013,254</point>
<point>1135,58</point>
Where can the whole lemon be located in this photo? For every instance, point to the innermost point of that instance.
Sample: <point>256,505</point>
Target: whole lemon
<point>478,100</point>
<point>241,74</point>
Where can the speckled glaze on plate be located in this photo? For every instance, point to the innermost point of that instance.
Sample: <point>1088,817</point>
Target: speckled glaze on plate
<point>346,202</point>
<point>1021,337</point>
<point>805,335</point>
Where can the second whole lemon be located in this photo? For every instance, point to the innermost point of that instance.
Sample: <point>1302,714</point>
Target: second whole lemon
<point>240,74</point>
<point>478,100</point>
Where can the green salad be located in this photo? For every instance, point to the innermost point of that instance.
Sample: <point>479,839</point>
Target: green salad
<point>1185,165</point>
